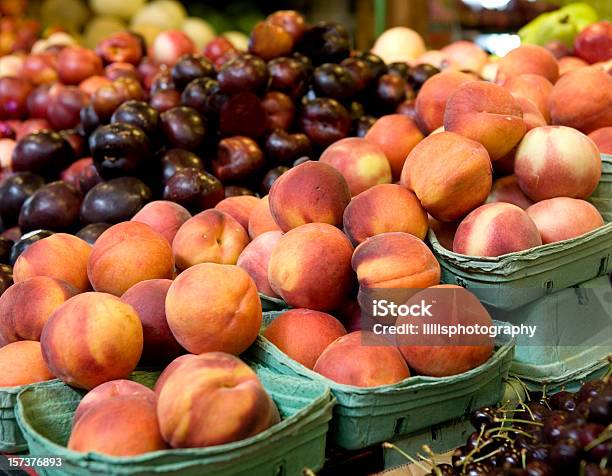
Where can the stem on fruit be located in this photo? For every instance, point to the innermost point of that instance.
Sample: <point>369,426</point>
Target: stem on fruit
<point>391,446</point>
<point>492,453</point>
<point>517,420</point>
<point>506,429</point>
<point>605,436</point>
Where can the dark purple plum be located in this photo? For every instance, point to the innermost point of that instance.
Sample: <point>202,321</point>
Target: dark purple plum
<point>195,189</point>
<point>45,153</point>
<point>174,160</point>
<point>183,128</point>
<point>270,178</point>
<point>114,201</point>
<point>288,75</point>
<point>243,114</point>
<point>54,207</point>
<point>91,232</point>
<point>190,67</point>
<point>14,190</point>
<point>325,42</point>
<point>325,121</point>
<point>284,148</point>
<point>139,114</point>
<point>334,81</point>
<point>246,72</point>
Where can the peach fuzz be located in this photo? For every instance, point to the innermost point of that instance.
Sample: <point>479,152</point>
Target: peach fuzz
<point>384,208</point>
<point>363,164</point>
<point>450,175</point>
<point>126,254</point>
<point>506,189</point>
<point>312,192</point>
<point>91,339</point>
<point>534,87</point>
<point>311,267</point>
<point>261,219</point>
<point>441,356</point>
<point>362,359</point>
<point>582,99</point>
<point>304,334</point>
<point>60,256</point>
<point>212,399</point>
<point>557,161</point>
<point>240,208</point>
<point>563,218</point>
<point>570,63</point>
<point>148,298</point>
<point>119,426</point>
<point>395,260</point>
<point>486,113</point>
<point>602,139</point>
<point>21,363</point>
<point>465,55</point>
<point>496,229</point>
<point>255,257</point>
<point>433,95</point>
<point>112,389</point>
<point>396,135</point>
<point>26,306</point>
<point>164,217</point>
<point>528,59</point>
<point>231,318</point>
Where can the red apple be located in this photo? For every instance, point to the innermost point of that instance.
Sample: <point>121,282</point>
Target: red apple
<point>594,43</point>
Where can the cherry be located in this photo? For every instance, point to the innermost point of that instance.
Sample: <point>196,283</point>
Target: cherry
<point>563,401</point>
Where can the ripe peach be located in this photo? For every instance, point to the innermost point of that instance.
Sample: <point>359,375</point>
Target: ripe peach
<point>240,208</point>
<point>384,208</point>
<point>311,192</point>
<point>570,63</point>
<point>311,267</point>
<point>557,161</point>
<point>161,381</point>
<point>562,218</point>
<point>496,229</point>
<point>59,256</point>
<point>230,319</point>
<point>506,189</point>
<point>450,174</point>
<point>255,257</point>
<point>148,298</point>
<point>363,164</point>
<point>261,219</point>
<point>211,236</point>
<point>164,217</point>
<point>126,254</point>
<point>602,139</point>
<point>582,99</point>
<point>21,363</point>
<point>362,359</point>
<point>528,59</point>
<point>399,44</point>
<point>26,306</point>
<point>213,399</point>
<point>92,338</point>
<point>431,100</point>
<point>534,87</point>
<point>396,135</point>
<point>304,334</point>
<point>532,117</point>
<point>465,55</point>
<point>486,113</point>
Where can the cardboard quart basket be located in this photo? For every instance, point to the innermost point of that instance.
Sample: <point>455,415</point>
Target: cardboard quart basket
<point>45,417</point>
<point>366,416</point>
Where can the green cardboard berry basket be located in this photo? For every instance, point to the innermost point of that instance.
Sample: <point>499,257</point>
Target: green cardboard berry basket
<point>45,417</point>
<point>366,416</point>
<point>269,303</point>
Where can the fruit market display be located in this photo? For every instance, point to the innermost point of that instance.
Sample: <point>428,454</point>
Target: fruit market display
<point>153,192</point>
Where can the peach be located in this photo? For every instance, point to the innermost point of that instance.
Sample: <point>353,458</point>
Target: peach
<point>119,426</point>
<point>161,381</point>
<point>304,334</point>
<point>570,63</point>
<point>384,208</point>
<point>395,260</point>
<point>363,164</point>
<point>92,338</point>
<point>496,229</point>
<point>126,254</point>
<point>211,236</point>
<point>311,267</point>
<point>506,189</point>
<point>465,55</point>
<point>532,117</point>
<point>240,208</point>
<point>213,399</point>
<point>445,232</point>
<point>528,59</point>
<point>433,95</point>
<point>164,217</point>
<point>441,355</point>
<point>26,306</point>
<point>562,218</point>
<point>486,113</point>
<point>396,135</point>
<point>602,139</point>
<point>534,87</point>
<point>362,359</point>
<point>231,317</point>
<point>112,389</point>
<point>21,363</point>
<point>261,219</point>
<point>582,99</point>
<point>399,44</point>
<point>557,161</point>
<point>312,192</point>
<point>148,298</point>
<point>450,175</point>
<point>59,256</point>
<point>255,257</point>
